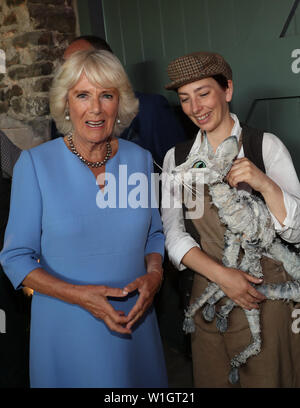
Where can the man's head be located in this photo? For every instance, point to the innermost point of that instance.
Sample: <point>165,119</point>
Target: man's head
<point>86,42</point>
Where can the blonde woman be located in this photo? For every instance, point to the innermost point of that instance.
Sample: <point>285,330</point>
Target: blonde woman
<point>99,265</point>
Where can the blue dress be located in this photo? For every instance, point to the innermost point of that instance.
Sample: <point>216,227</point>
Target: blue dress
<point>60,218</point>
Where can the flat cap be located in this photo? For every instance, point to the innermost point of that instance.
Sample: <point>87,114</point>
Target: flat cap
<point>196,66</point>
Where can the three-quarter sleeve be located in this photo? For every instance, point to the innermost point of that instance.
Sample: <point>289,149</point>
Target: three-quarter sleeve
<point>156,239</point>
<point>22,241</point>
<point>280,168</point>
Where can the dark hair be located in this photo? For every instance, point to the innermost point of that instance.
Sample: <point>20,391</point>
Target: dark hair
<point>222,81</point>
<point>97,42</point>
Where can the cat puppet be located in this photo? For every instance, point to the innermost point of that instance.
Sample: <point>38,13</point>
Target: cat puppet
<point>248,226</point>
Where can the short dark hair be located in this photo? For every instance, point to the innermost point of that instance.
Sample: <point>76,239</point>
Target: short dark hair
<point>222,81</point>
<point>97,42</point>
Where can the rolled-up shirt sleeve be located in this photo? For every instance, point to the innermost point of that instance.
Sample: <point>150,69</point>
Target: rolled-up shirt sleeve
<point>178,240</point>
<point>279,167</point>
<point>22,241</point>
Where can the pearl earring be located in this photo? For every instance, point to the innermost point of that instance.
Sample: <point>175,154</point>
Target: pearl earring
<point>67,116</point>
<point>118,121</point>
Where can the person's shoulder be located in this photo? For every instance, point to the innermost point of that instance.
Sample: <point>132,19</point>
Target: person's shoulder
<point>267,136</point>
<point>46,152</point>
<point>130,147</point>
<point>134,152</point>
<point>275,152</point>
<point>270,137</point>
<point>51,146</point>
<point>273,145</point>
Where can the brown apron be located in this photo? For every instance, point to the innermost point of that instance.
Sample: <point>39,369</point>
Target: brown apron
<point>278,363</point>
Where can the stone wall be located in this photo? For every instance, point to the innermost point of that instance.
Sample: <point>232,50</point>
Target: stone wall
<point>33,36</point>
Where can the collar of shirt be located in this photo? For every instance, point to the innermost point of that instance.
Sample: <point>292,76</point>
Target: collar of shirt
<point>236,131</point>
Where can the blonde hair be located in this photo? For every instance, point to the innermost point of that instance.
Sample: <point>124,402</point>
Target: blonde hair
<point>101,68</point>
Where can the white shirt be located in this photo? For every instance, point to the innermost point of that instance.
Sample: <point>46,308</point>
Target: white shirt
<point>279,167</point>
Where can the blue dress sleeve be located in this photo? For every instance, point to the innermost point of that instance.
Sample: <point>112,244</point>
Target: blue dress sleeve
<point>156,239</point>
<point>22,240</point>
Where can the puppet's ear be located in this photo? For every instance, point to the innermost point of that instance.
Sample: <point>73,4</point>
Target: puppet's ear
<point>227,150</point>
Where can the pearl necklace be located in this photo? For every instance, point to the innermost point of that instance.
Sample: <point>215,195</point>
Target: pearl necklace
<point>86,162</point>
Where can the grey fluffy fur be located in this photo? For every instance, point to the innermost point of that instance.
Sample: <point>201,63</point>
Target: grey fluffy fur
<point>249,226</point>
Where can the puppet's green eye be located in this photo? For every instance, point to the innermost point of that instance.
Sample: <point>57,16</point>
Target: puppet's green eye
<point>199,165</point>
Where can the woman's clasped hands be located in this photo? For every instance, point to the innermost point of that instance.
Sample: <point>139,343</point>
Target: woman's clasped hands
<point>147,286</point>
<point>95,299</point>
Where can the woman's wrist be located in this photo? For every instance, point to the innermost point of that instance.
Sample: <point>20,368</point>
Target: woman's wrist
<point>217,273</point>
<point>41,281</point>
<point>158,271</point>
<point>268,187</point>
<point>154,263</point>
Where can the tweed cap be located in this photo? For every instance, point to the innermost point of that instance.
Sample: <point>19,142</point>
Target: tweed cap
<point>196,66</point>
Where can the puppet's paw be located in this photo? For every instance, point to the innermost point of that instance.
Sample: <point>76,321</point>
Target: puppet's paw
<point>188,325</point>
<point>234,376</point>
<point>221,323</point>
<point>209,312</point>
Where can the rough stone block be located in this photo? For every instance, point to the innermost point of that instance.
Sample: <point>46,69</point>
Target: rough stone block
<point>33,38</point>
<point>15,60</point>
<point>47,54</point>
<point>4,106</point>
<point>10,19</point>
<point>38,106</point>
<point>42,85</point>
<point>16,105</point>
<point>13,3</point>
<point>7,93</point>
<point>30,71</point>
<point>51,2</point>
<point>63,19</point>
